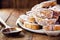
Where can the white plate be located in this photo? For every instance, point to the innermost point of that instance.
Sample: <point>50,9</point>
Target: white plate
<point>41,31</point>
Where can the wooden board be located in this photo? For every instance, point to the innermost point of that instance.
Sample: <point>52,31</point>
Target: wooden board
<point>12,17</point>
<point>44,37</point>
<point>11,22</point>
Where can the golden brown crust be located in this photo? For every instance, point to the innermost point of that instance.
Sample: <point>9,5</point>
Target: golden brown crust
<point>31,19</point>
<point>52,28</point>
<point>56,27</point>
<point>31,26</point>
<point>24,18</point>
<point>46,28</point>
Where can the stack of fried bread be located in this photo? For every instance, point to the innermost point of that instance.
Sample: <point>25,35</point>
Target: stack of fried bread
<point>42,16</point>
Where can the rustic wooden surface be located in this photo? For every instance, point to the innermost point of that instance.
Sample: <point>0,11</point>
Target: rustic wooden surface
<point>10,16</point>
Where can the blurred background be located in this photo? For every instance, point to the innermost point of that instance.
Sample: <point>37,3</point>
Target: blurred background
<point>19,3</point>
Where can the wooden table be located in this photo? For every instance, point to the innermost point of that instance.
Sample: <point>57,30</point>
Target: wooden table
<point>10,16</point>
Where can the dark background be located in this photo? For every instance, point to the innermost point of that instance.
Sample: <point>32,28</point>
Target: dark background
<point>19,3</point>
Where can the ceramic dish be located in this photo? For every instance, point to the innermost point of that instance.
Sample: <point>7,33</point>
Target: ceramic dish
<point>41,31</point>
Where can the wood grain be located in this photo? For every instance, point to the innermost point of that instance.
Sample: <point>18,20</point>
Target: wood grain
<point>12,22</point>
<point>44,37</point>
<point>15,14</point>
<point>10,16</point>
<point>19,3</point>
